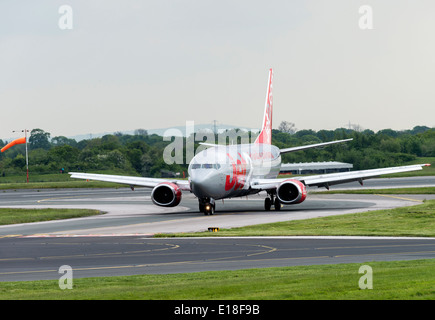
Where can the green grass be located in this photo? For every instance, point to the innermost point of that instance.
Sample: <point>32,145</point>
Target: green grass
<point>14,216</point>
<point>427,171</point>
<point>57,181</point>
<point>60,185</point>
<point>54,181</point>
<point>391,280</point>
<point>51,181</point>
<point>21,178</point>
<point>418,221</point>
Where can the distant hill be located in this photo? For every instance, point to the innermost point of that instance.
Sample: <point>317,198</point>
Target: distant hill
<point>161,132</point>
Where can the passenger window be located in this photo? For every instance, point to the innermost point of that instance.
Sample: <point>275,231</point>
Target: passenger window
<point>196,166</point>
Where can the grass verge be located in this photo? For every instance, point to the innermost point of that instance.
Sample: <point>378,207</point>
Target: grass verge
<point>391,280</point>
<point>53,181</point>
<point>418,221</point>
<point>60,185</point>
<point>14,216</point>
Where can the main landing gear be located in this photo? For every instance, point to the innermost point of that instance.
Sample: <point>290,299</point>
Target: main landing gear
<point>207,206</point>
<point>271,199</point>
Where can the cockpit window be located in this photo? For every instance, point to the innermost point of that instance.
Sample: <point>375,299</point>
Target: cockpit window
<point>206,166</point>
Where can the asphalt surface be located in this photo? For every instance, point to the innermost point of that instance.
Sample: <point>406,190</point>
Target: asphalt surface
<point>41,258</point>
<point>132,213</point>
<point>119,243</point>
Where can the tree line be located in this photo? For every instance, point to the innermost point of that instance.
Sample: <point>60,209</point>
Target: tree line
<point>142,154</point>
<point>138,154</point>
<point>367,150</point>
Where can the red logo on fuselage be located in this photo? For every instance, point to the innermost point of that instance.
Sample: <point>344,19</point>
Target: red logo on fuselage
<point>239,173</point>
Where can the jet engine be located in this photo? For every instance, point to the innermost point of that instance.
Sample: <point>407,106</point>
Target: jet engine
<point>291,191</point>
<point>166,194</point>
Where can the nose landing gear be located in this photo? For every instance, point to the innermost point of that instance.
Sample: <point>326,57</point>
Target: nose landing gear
<point>207,206</point>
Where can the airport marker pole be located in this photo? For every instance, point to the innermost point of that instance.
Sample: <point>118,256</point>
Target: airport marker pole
<point>27,158</point>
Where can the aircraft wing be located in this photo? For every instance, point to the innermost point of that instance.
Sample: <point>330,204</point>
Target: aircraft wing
<point>326,180</point>
<point>130,180</point>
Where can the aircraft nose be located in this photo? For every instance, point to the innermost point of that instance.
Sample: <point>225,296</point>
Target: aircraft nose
<point>204,185</point>
<point>200,185</point>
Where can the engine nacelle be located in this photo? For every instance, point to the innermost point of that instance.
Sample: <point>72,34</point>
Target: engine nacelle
<point>291,191</point>
<point>166,194</point>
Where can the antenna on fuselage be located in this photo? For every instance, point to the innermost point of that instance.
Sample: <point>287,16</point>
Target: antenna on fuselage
<point>214,127</point>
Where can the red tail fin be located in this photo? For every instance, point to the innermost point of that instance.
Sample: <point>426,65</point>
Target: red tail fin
<point>265,135</point>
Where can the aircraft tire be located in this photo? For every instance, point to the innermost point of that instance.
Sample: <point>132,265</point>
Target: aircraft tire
<point>267,204</point>
<point>277,205</point>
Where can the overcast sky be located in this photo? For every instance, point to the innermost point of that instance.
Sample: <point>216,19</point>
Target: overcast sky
<point>155,64</point>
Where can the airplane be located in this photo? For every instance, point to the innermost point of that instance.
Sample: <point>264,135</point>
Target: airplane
<point>230,171</point>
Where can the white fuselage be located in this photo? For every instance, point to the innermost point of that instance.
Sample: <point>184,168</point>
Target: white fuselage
<point>227,171</point>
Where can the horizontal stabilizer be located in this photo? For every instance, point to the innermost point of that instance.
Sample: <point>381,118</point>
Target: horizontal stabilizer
<point>317,145</point>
